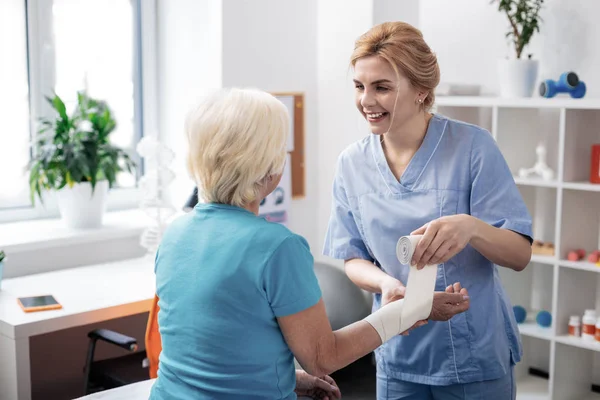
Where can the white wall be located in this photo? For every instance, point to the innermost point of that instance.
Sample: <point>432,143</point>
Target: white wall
<point>468,37</point>
<point>340,23</point>
<point>396,10</point>
<point>272,45</point>
<point>189,66</point>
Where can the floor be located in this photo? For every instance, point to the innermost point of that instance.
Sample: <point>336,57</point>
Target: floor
<point>357,381</point>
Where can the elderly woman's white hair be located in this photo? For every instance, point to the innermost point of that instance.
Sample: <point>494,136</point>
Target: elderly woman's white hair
<point>236,140</point>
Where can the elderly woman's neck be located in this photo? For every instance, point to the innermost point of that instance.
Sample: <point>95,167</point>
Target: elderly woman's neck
<point>252,207</point>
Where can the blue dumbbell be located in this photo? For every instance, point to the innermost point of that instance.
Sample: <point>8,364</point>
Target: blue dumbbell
<point>567,83</point>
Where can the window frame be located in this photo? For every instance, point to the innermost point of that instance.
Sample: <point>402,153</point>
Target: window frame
<point>41,80</point>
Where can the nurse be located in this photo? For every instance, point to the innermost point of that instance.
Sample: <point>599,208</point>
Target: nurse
<point>423,173</point>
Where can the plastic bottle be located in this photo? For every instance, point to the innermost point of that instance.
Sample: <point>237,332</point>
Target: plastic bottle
<point>575,326</point>
<point>588,328</point>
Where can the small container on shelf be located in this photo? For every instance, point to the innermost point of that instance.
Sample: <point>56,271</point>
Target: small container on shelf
<point>598,330</point>
<point>542,248</point>
<point>595,164</point>
<point>588,329</point>
<point>575,326</point>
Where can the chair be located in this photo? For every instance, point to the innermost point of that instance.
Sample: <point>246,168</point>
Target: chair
<point>120,371</point>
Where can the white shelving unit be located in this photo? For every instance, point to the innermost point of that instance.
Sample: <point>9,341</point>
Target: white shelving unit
<point>566,212</point>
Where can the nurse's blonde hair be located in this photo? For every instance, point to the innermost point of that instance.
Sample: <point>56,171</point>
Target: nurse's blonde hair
<point>236,141</point>
<point>402,45</point>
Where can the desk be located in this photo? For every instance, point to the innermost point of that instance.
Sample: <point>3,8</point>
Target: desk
<point>88,294</point>
<point>134,391</point>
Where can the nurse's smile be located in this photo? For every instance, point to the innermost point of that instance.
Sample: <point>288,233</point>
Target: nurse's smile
<point>375,118</point>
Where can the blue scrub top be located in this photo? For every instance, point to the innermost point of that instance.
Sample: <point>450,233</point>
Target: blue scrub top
<point>223,277</point>
<point>457,170</point>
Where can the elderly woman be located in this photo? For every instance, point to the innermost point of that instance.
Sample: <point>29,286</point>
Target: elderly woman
<point>238,294</point>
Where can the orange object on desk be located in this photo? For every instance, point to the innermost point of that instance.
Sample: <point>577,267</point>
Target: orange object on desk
<point>38,303</point>
<point>595,164</point>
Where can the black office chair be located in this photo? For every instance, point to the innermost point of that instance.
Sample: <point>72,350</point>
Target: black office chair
<point>113,372</point>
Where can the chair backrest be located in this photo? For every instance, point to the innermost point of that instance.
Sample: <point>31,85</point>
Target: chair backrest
<point>153,341</point>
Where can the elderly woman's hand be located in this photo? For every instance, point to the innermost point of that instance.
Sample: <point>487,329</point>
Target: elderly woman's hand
<point>323,388</point>
<point>445,304</point>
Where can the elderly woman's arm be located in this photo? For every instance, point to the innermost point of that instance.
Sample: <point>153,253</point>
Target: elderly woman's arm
<point>320,351</point>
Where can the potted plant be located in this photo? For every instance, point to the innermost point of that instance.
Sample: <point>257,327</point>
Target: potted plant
<point>73,156</point>
<point>518,75</point>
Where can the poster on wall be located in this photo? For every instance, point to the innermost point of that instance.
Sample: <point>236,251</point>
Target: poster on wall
<point>275,207</point>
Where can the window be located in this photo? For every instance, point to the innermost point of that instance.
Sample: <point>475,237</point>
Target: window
<point>66,46</point>
<point>14,105</point>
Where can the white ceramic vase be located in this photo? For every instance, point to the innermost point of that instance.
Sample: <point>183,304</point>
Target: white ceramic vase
<point>79,207</point>
<point>517,77</point>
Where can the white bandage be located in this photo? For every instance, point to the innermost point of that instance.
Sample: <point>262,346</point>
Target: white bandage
<point>419,286</point>
<point>386,320</point>
<point>398,316</point>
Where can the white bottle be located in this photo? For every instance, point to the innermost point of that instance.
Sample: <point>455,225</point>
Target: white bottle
<point>588,326</point>
<point>575,325</point>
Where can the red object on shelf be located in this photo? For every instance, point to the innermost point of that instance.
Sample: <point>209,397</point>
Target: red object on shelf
<point>595,164</point>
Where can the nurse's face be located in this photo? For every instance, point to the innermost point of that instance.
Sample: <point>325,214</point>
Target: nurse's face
<point>387,101</point>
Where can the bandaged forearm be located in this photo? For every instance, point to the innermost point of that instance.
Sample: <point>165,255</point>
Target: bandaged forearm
<point>399,316</point>
<point>386,320</point>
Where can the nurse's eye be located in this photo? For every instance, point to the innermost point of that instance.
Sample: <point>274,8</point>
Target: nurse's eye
<point>359,86</point>
<point>382,89</point>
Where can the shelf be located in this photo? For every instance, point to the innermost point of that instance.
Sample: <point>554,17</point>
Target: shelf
<point>591,187</point>
<point>578,342</point>
<point>532,329</point>
<point>533,102</point>
<point>538,182</point>
<point>581,265</point>
<point>550,260</point>
<point>532,388</point>
<point>564,212</point>
<point>535,182</point>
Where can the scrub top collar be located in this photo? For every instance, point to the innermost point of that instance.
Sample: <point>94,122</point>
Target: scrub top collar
<point>417,164</point>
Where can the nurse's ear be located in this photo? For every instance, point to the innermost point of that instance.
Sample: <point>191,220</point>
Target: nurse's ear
<point>421,96</point>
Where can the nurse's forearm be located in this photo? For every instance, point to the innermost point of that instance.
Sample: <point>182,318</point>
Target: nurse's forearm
<point>367,276</point>
<point>501,246</point>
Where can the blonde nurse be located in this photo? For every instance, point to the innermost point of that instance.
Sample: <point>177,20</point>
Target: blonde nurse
<point>422,173</point>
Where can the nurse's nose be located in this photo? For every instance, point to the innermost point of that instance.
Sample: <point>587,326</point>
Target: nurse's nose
<point>367,99</point>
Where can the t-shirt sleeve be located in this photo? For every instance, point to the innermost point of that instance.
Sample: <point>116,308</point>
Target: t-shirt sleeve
<point>289,278</point>
<point>495,198</point>
<point>343,239</point>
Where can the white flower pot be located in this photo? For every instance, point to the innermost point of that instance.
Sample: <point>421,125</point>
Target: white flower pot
<point>517,78</point>
<point>80,208</point>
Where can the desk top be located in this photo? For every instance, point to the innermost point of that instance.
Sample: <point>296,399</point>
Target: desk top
<point>88,294</point>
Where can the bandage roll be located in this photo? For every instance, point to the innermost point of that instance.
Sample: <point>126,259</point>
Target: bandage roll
<point>405,248</point>
<point>398,316</point>
<point>420,285</point>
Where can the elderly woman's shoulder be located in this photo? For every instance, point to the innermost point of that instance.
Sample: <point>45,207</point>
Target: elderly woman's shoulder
<point>278,233</point>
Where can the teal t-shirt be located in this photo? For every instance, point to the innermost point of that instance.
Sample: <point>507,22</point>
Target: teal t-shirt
<point>223,276</point>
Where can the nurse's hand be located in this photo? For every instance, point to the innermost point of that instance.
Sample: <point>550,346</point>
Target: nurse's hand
<point>442,239</point>
<point>391,290</point>
<point>454,300</point>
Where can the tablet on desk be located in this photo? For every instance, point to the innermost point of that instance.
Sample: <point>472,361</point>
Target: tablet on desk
<point>38,303</point>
